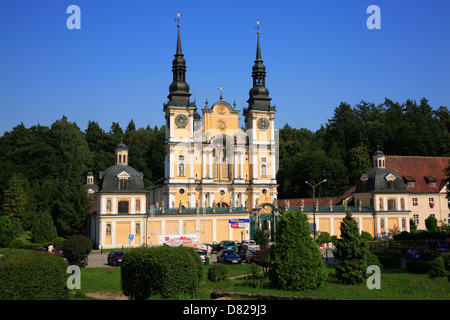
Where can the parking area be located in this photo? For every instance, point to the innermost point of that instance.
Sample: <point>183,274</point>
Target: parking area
<point>97,259</point>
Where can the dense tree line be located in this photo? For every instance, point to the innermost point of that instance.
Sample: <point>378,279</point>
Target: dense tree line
<point>43,169</point>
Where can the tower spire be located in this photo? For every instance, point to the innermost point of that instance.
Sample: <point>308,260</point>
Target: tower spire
<point>179,89</point>
<point>259,94</point>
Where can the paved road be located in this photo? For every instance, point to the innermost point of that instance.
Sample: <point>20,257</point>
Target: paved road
<point>97,260</point>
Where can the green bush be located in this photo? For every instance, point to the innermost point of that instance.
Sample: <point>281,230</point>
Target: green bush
<point>418,266</point>
<point>261,258</point>
<point>217,272</point>
<point>440,267</point>
<point>323,237</point>
<point>76,249</point>
<point>17,244</point>
<point>31,275</point>
<point>390,262</point>
<point>160,270</point>
<point>366,236</point>
<point>431,224</point>
<point>404,235</point>
<point>295,262</point>
<point>7,231</point>
<point>58,241</point>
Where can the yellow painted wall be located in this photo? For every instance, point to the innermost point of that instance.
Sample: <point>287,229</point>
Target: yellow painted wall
<point>324,225</point>
<point>222,229</point>
<point>123,229</point>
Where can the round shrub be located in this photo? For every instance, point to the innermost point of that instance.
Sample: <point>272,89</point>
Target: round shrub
<point>440,267</point>
<point>418,266</point>
<point>17,244</point>
<point>366,236</point>
<point>160,270</point>
<point>76,249</point>
<point>217,272</point>
<point>31,275</point>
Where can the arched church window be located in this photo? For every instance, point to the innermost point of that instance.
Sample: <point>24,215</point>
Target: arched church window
<point>137,228</point>
<point>138,205</point>
<point>181,170</point>
<point>263,171</point>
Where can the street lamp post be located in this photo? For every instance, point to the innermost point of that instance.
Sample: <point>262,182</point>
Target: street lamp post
<point>314,206</point>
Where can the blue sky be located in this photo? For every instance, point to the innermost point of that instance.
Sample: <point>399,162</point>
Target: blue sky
<point>117,67</point>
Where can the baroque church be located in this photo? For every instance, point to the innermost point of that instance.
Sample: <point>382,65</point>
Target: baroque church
<point>220,179</point>
<point>216,172</point>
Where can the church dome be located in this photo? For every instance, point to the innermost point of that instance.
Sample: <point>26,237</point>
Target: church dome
<point>109,180</point>
<point>380,180</point>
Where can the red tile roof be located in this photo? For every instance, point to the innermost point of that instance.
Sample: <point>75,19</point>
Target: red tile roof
<point>309,202</point>
<point>421,170</point>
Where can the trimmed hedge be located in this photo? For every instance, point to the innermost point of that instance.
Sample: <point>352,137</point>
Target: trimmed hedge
<point>160,270</point>
<point>31,275</point>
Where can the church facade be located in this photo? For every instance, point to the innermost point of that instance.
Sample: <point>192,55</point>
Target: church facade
<point>216,171</point>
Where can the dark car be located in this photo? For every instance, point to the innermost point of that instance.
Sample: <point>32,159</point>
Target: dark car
<point>227,244</point>
<point>115,258</point>
<point>228,256</point>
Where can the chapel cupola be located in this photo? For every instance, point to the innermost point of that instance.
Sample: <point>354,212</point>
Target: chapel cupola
<point>121,151</point>
<point>379,159</point>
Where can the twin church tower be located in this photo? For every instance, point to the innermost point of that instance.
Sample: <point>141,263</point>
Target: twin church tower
<point>210,160</point>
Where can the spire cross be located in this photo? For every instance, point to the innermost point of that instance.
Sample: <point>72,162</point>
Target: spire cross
<point>258,23</point>
<point>221,89</point>
<point>177,19</point>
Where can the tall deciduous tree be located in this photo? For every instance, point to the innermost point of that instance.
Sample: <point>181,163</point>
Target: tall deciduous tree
<point>295,260</point>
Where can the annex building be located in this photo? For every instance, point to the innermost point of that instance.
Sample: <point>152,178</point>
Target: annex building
<point>396,190</point>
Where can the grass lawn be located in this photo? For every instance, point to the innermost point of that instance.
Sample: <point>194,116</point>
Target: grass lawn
<point>395,285</point>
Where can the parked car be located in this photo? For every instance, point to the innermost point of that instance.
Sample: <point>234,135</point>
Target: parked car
<point>249,254</point>
<point>228,256</point>
<point>250,245</point>
<point>227,244</point>
<point>115,258</point>
<point>59,251</point>
<point>202,254</point>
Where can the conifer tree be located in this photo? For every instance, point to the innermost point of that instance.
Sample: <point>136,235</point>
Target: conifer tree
<point>295,260</point>
<point>43,229</point>
<point>352,253</point>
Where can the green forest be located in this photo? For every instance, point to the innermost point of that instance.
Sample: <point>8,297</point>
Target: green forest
<point>43,168</point>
